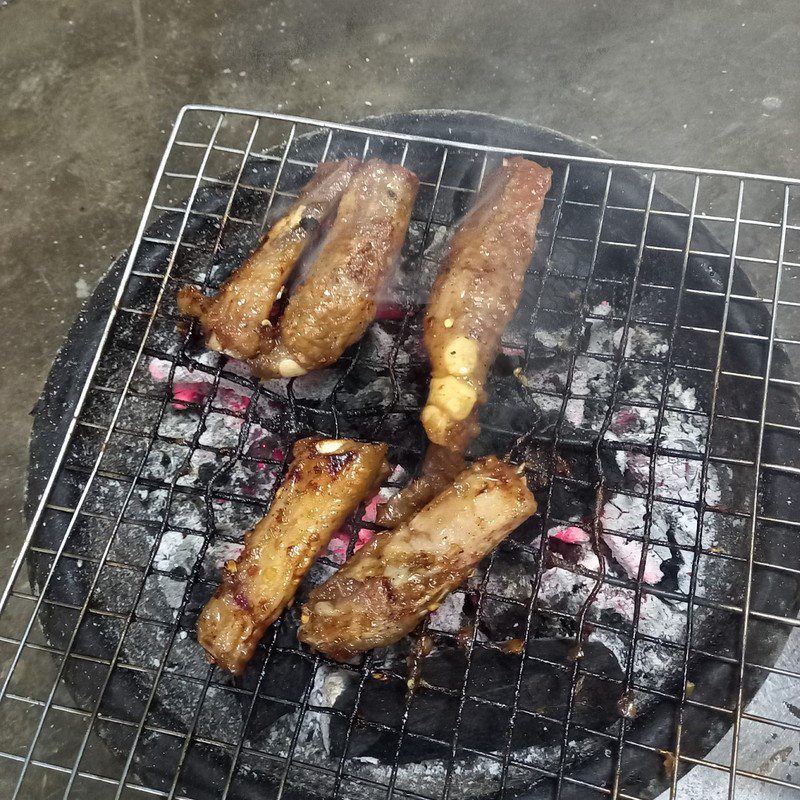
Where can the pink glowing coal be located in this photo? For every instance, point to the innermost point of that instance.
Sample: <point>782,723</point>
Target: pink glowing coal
<point>192,387</point>
<point>390,311</point>
<point>626,553</point>
<point>571,535</point>
<point>341,539</point>
<point>625,420</point>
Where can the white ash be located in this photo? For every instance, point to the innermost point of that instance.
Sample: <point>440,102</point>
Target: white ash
<point>438,242</point>
<point>618,514</point>
<point>329,683</point>
<point>378,343</point>
<point>221,552</point>
<point>623,516</point>
<point>548,339</point>
<point>641,341</point>
<point>177,551</point>
<point>449,617</point>
<point>160,368</point>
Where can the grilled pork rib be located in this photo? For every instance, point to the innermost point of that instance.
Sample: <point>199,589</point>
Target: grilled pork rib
<point>386,588</point>
<point>472,300</point>
<point>475,296</point>
<point>327,479</point>
<point>236,321</point>
<point>333,307</point>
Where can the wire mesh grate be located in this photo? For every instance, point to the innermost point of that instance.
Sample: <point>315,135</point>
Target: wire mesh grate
<point>653,347</point>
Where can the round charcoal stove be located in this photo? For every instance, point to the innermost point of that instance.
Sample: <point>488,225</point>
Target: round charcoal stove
<point>605,358</point>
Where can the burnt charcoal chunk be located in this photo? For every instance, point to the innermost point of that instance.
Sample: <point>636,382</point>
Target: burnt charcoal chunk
<point>281,688</point>
<point>544,691</point>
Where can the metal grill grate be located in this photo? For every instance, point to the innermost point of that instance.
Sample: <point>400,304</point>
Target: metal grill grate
<point>89,646</point>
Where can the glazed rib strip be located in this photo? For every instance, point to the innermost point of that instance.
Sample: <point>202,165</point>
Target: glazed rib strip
<point>475,296</point>
<point>333,308</point>
<point>386,588</point>
<point>472,301</point>
<point>439,468</point>
<point>236,321</point>
<point>327,479</point>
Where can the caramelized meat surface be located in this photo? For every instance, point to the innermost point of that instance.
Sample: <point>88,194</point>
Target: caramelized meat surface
<point>439,469</point>
<point>334,306</point>
<point>236,321</point>
<point>327,479</point>
<point>386,588</point>
<point>475,296</point>
<point>472,301</point>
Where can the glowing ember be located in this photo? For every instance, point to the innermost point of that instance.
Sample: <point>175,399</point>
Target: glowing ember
<point>628,554</point>
<point>337,548</point>
<point>192,387</point>
<point>390,311</point>
<point>624,420</point>
<point>340,540</point>
<point>571,535</point>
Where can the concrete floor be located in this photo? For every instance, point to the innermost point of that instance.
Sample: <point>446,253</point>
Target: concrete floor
<point>89,89</point>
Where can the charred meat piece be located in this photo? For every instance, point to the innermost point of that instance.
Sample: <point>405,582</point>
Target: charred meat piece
<point>236,321</point>
<point>326,480</point>
<point>475,296</point>
<point>334,306</point>
<point>439,469</point>
<point>472,300</point>
<point>384,591</point>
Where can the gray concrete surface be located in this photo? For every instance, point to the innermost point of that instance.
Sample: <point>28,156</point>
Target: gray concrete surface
<point>88,89</point>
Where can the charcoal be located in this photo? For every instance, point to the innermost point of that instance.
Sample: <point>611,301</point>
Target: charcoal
<point>544,691</point>
<point>286,677</point>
